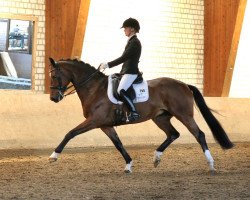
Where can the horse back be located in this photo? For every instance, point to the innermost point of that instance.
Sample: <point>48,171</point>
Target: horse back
<point>168,84</point>
<point>171,93</point>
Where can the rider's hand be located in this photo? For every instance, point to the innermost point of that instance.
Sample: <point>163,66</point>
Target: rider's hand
<point>104,66</point>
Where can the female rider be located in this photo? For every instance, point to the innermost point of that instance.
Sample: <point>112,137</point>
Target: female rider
<point>130,59</point>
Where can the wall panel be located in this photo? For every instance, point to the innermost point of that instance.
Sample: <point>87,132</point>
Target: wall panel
<point>239,62</point>
<point>219,23</point>
<point>171,35</point>
<point>41,124</point>
<point>61,21</point>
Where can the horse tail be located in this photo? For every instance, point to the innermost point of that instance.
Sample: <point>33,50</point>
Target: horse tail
<point>214,125</point>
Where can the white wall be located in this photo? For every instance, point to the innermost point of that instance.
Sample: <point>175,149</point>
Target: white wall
<point>240,86</point>
<point>171,35</point>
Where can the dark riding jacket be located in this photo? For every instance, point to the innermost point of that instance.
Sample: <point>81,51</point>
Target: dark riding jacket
<point>130,57</point>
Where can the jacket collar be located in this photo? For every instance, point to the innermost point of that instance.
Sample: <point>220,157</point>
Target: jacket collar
<point>132,36</point>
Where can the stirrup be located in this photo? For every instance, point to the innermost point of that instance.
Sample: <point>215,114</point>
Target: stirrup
<point>133,116</point>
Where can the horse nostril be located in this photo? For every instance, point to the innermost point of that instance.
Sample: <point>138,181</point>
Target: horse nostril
<point>54,99</point>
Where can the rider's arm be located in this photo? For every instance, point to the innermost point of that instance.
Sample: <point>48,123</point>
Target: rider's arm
<point>129,52</point>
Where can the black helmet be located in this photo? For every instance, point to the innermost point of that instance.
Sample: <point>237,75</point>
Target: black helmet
<point>131,22</point>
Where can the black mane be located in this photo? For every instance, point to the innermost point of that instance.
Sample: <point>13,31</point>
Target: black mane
<point>89,69</point>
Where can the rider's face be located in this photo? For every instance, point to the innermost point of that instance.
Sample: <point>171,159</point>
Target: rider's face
<point>128,31</point>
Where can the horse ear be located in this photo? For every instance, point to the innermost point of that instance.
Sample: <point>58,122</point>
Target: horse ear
<point>52,62</point>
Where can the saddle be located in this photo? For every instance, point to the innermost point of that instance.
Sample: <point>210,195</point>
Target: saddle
<point>116,78</point>
<point>138,92</point>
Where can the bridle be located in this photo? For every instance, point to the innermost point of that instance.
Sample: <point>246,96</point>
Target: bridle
<point>62,89</point>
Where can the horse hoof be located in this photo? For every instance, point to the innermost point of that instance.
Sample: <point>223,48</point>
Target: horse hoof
<point>156,162</point>
<point>51,160</point>
<point>213,172</point>
<point>53,157</point>
<point>127,171</point>
<point>128,168</point>
<point>157,158</point>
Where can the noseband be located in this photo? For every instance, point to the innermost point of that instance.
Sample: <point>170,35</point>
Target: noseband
<point>61,89</point>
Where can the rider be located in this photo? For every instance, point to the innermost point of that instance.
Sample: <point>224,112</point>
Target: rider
<point>130,59</point>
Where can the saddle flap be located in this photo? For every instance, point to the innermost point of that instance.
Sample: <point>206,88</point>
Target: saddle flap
<point>115,79</point>
<point>138,91</point>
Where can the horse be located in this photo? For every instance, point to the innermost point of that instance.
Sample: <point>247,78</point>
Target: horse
<point>167,98</point>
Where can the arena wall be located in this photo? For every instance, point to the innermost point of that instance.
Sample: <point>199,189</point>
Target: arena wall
<point>174,48</point>
<point>172,36</point>
<point>31,120</point>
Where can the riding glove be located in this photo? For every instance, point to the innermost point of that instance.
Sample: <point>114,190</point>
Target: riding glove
<point>104,66</point>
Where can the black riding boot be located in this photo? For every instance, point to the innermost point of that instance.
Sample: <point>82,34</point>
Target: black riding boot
<point>133,115</point>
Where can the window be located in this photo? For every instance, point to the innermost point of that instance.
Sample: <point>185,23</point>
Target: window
<point>16,51</point>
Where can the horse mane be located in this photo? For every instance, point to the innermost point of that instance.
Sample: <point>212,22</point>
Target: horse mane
<point>80,63</point>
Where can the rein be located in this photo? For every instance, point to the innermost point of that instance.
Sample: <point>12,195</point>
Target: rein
<point>80,84</point>
<point>61,89</point>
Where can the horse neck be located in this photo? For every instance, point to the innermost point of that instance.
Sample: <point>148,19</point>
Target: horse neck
<point>88,84</point>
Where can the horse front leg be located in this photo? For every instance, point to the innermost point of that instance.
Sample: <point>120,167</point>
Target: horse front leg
<point>81,128</point>
<point>111,133</point>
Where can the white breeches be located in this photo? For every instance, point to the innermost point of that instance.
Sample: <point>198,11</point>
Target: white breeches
<point>126,81</point>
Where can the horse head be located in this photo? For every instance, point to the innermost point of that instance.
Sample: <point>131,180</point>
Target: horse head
<point>59,80</point>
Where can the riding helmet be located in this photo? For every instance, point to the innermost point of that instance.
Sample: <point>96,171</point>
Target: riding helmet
<point>131,22</point>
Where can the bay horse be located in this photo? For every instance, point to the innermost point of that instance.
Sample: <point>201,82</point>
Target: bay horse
<point>167,98</point>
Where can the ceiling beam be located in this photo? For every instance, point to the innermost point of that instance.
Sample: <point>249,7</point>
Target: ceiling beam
<point>233,49</point>
<point>80,29</point>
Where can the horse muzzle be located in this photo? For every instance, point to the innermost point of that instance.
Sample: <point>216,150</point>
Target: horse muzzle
<point>57,98</point>
<point>54,99</point>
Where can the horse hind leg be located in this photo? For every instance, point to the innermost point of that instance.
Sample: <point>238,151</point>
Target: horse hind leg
<point>200,137</point>
<point>163,122</point>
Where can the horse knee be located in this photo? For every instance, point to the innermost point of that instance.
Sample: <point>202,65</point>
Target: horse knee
<point>174,136</point>
<point>70,135</point>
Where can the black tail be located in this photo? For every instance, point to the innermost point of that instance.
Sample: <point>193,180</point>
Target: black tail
<point>215,126</point>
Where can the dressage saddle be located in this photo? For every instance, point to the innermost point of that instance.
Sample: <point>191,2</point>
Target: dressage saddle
<point>116,78</point>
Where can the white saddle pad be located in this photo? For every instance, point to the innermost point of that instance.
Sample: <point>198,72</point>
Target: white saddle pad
<point>141,91</point>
